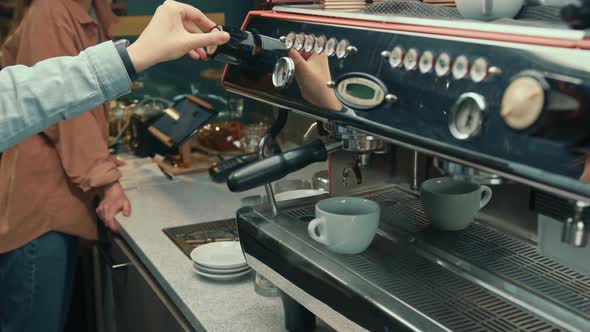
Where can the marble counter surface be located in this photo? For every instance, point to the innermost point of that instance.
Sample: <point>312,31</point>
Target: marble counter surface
<point>207,305</point>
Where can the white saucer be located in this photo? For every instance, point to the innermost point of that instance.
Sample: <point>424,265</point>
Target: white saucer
<point>221,276</point>
<point>219,255</point>
<point>220,271</point>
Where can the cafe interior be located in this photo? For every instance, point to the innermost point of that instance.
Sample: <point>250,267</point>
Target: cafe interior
<point>338,165</point>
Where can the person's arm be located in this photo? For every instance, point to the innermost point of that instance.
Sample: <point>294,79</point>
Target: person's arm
<point>33,98</point>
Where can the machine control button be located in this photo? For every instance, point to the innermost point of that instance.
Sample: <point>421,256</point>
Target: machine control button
<point>495,71</point>
<point>443,65</point>
<point>426,62</point>
<point>331,84</point>
<point>342,49</point>
<point>461,67</point>
<point>290,40</point>
<point>320,44</point>
<point>467,115</point>
<point>390,98</point>
<point>479,70</point>
<point>283,73</point>
<point>282,39</point>
<point>396,57</point>
<point>411,59</point>
<point>299,41</point>
<point>523,102</point>
<point>309,44</point>
<point>352,50</point>
<point>331,46</point>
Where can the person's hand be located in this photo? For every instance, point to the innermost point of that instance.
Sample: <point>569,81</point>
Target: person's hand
<point>312,72</point>
<point>113,202</point>
<point>175,30</point>
<point>118,162</point>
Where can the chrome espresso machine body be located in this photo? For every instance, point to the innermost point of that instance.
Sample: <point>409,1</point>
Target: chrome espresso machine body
<point>505,100</point>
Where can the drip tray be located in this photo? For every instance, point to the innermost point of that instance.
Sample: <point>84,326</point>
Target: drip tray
<point>479,279</point>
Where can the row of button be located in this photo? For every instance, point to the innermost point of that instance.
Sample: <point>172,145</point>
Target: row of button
<point>443,66</point>
<point>318,44</point>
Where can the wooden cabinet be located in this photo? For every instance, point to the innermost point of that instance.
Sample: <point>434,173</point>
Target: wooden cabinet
<point>128,298</point>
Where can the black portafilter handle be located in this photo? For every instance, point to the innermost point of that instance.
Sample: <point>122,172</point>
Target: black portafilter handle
<point>276,167</point>
<point>577,15</point>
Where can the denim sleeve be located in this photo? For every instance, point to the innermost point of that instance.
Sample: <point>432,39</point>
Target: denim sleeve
<point>33,98</point>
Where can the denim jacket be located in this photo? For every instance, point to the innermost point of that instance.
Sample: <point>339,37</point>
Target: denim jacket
<point>33,98</point>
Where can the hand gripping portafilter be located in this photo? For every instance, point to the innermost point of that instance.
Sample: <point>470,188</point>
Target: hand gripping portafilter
<point>246,48</point>
<point>278,166</point>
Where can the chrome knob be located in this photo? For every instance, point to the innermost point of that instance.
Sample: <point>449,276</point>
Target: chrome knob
<point>575,231</point>
<point>351,50</point>
<point>283,39</point>
<point>495,71</point>
<point>385,54</point>
<point>331,84</point>
<point>391,98</point>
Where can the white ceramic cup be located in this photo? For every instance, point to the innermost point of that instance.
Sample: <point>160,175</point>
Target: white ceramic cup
<point>487,10</point>
<point>345,225</point>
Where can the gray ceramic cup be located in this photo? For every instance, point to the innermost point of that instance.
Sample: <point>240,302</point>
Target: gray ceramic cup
<point>451,205</point>
<point>345,225</point>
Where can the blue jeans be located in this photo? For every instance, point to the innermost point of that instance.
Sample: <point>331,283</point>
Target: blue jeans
<point>36,284</point>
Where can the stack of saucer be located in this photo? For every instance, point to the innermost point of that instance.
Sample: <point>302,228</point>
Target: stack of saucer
<point>220,260</point>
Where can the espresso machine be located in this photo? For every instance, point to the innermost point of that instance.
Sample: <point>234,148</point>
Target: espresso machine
<point>394,99</point>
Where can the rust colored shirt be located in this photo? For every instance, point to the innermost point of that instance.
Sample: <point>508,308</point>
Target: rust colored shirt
<point>49,181</point>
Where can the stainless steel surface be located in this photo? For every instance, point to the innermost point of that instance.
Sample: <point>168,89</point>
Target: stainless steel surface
<point>321,180</point>
<point>477,279</point>
<point>291,184</point>
<point>575,231</point>
<point>469,174</point>
<point>268,187</point>
<point>352,140</point>
<point>415,184</point>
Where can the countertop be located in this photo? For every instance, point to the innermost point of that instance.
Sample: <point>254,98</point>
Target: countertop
<point>207,305</point>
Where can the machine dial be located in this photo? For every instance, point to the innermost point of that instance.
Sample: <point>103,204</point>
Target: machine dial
<point>299,41</point>
<point>331,46</point>
<point>460,67</point>
<point>320,44</point>
<point>396,57</point>
<point>290,40</point>
<point>466,116</point>
<point>342,49</point>
<point>283,73</point>
<point>443,65</point>
<point>411,59</point>
<point>479,70</point>
<point>426,62</point>
<point>523,102</point>
<point>309,44</point>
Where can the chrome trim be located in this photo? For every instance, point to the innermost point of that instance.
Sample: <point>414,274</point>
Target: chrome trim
<point>284,82</point>
<point>481,104</point>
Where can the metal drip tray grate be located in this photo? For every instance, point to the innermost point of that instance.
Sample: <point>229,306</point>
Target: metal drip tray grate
<point>410,265</point>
